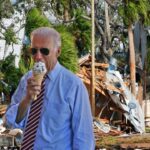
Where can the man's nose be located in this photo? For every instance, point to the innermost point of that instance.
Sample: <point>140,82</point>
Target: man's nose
<point>38,56</point>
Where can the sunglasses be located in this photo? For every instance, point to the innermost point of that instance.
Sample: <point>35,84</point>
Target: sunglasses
<point>44,51</point>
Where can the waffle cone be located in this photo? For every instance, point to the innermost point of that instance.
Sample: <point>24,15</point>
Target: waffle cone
<point>38,78</point>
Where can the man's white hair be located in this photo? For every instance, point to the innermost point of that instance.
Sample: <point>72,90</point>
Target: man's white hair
<point>50,33</point>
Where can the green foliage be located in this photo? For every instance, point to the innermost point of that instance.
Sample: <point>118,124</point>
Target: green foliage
<point>147,129</point>
<point>65,3</point>
<point>34,20</point>
<point>11,74</point>
<point>6,9</point>
<point>81,29</point>
<point>23,66</point>
<point>26,61</point>
<point>68,57</point>
<point>1,78</point>
<point>1,75</point>
<point>10,36</point>
<point>147,18</point>
<point>59,6</point>
<point>132,11</point>
<point>129,13</point>
<point>39,4</point>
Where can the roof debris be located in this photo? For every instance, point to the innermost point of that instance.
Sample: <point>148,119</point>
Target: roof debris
<point>117,110</point>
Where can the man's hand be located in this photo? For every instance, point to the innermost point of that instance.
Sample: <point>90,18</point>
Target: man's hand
<point>33,88</point>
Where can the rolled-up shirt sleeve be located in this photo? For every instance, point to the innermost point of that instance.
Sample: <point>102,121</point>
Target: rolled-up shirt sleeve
<point>11,112</point>
<point>11,115</point>
<point>82,120</point>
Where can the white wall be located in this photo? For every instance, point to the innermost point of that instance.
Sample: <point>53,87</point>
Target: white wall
<point>20,35</point>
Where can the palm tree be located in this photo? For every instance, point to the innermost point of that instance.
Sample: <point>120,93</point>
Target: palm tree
<point>68,56</point>
<point>133,11</point>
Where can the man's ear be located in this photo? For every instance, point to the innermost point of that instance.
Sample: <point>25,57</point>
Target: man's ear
<point>58,52</point>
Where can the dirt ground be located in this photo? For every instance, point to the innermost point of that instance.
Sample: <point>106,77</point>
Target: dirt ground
<point>126,142</point>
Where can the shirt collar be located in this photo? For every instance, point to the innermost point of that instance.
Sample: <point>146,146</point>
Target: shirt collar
<point>54,72</point>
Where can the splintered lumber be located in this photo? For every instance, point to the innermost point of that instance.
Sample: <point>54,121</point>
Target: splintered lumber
<point>113,88</point>
<point>100,74</point>
<point>102,65</point>
<point>100,78</point>
<point>83,59</point>
<point>99,90</point>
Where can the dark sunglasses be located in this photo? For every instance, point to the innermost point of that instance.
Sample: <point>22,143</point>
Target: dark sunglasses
<point>44,51</point>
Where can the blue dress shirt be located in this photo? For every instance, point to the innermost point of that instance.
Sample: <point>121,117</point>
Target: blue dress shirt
<point>66,120</point>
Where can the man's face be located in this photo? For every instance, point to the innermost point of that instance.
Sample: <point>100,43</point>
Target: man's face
<point>50,60</point>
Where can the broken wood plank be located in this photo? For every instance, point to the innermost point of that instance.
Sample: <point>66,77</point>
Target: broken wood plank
<point>87,81</point>
<point>102,65</point>
<point>83,59</point>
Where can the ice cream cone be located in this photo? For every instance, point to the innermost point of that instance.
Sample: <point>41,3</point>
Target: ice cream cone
<point>38,78</point>
<point>39,71</point>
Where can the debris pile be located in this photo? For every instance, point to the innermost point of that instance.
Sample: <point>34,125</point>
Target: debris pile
<point>10,138</point>
<point>117,110</point>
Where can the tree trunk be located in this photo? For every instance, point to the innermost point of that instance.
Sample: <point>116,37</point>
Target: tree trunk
<point>107,22</point>
<point>5,50</point>
<point>132,60</point>
<point>92,89</point>
<point>144,81</point>
<point>66,15</point>
<point>139,96</point>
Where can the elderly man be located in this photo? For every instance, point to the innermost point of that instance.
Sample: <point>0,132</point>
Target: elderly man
<point>64,120</point>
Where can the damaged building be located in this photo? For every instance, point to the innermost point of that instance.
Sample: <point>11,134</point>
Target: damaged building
<point>116,109</point>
